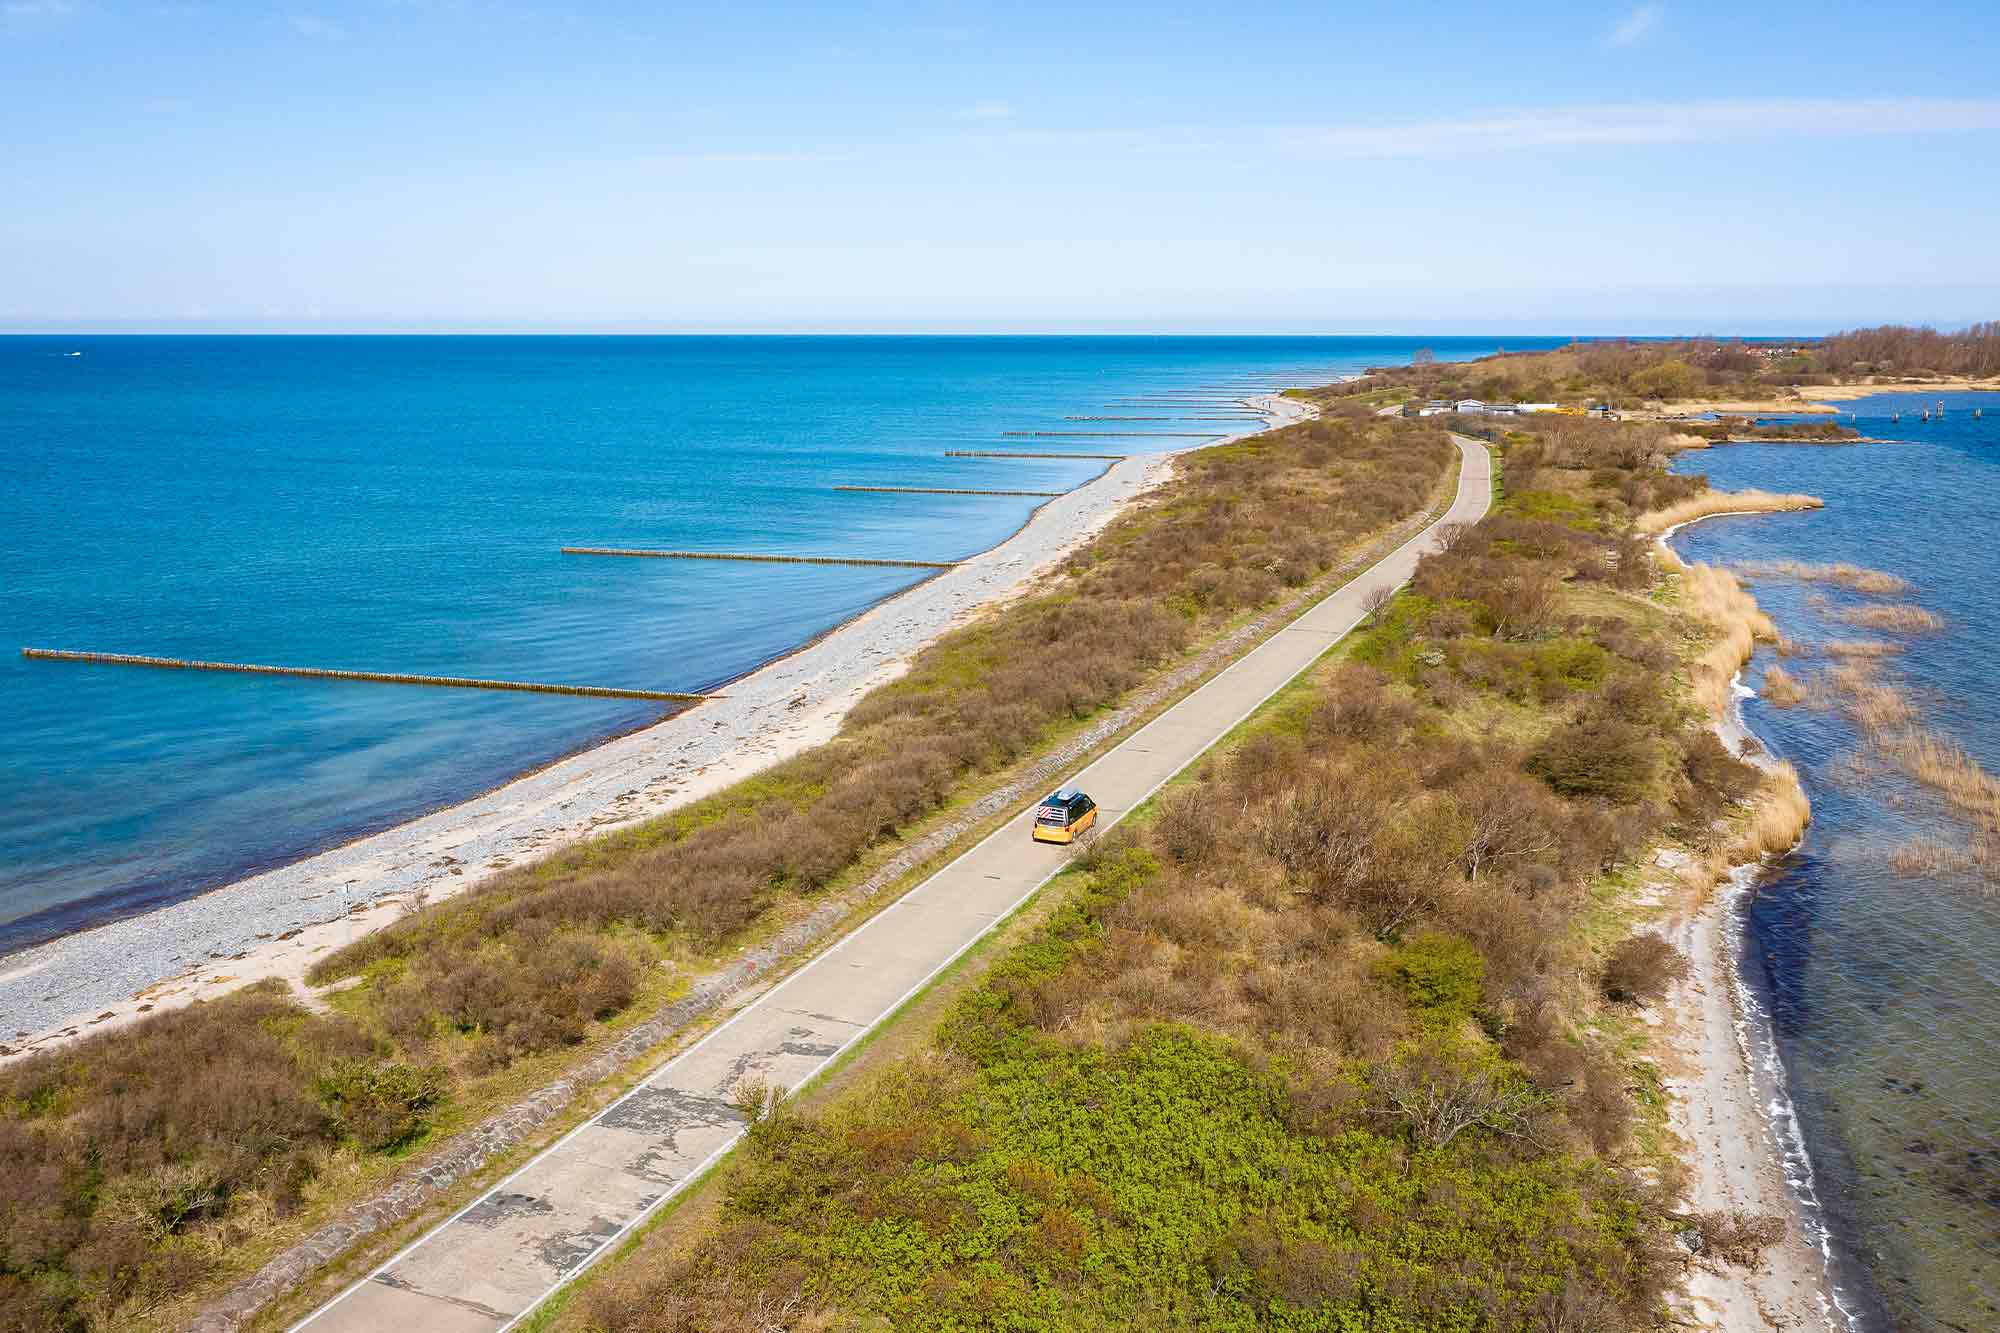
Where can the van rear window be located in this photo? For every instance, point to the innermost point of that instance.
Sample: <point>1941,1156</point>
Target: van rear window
<point>1052,814</point>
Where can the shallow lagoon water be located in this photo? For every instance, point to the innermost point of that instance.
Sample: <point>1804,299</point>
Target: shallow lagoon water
<point>1883,986</point>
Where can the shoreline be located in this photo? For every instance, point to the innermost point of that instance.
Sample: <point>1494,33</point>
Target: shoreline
<point>1812,400</point>
<point>1729,1107</point>
<point>276,923</point>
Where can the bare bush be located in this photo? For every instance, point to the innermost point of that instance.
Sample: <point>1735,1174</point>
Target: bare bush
<point>1642,969</point>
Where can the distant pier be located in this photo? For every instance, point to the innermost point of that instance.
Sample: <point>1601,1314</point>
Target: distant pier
<point>380,677</point>
<point>1002,453</point>
<point>943,490</point>
<point>759,559</point>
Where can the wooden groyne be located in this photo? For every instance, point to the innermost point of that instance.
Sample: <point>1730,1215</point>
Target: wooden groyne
<point>1118,418</point>
<point>1109,434</point>
<point>759,559</point>
<point>943,490</point>
<point>1001,453</point>
<point>379,677</point>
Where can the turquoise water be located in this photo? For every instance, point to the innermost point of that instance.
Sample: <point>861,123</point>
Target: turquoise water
<point>1882,985</point>
<point>396,504</point>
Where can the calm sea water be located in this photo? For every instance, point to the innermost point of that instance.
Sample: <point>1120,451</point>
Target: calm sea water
<point>397,504</point>
<point>1883,988</point>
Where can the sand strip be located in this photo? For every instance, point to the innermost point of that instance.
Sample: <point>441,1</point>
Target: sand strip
<point>1728,1104</point>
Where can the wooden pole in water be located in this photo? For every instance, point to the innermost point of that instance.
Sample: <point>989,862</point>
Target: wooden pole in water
<point>380,677</point>
<point>1001,453</point>
<point>942,490</point>
<point>759,559</point>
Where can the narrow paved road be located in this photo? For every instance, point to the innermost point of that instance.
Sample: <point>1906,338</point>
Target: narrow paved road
<point>489,1265</point>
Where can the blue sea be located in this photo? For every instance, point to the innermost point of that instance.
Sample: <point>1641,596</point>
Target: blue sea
<point>396,504</point>
<point>1880,984</point>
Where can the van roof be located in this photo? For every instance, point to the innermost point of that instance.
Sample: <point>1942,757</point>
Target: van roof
<point>1067,793</point>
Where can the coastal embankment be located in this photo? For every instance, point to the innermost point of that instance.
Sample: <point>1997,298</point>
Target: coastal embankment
<point>1742,1157</point>
<point>276,924</point>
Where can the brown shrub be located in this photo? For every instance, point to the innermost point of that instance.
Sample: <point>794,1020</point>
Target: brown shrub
<point>1602,758</point>
<point>124,1156</point>
<point>1641,969</point>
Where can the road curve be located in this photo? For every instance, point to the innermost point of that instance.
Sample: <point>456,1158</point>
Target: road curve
<point>489,1265</point>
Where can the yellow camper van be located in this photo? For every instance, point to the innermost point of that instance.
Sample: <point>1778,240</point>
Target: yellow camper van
<point>1064,815</point>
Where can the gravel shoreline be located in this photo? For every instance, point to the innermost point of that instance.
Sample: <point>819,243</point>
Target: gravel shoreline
<point>275,924</point>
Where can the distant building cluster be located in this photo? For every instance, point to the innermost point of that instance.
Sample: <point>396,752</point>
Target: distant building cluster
<point>1439,407</point>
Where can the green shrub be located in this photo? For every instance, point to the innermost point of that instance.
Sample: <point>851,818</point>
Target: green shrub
<point>382,1105</point>
<point>1441,975</point>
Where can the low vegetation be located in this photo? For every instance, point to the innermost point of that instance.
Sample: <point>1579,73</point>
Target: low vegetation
<point>1326,1041</point>
<point>137,1165</point>
<point>1634,375</point>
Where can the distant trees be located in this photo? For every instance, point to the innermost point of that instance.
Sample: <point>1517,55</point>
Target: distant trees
<point>1898,349</point>
<point>1669,379</point>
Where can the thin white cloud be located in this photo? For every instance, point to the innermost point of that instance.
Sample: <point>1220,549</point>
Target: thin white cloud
<point>753,156</point>
<point>988,111</point>
<point>1614,124</point>
<point>1636,26</point>
<point>37,9</point>
<point>317,28</point>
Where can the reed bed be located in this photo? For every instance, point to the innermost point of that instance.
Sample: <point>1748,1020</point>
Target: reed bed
<point>1894,618</point>
<point>1782,689</point>
<point>1863,648</point>
<point>1856,578</point>
<point>1941,764</point>
<point>1718,597</point>
<point>1707,504</point>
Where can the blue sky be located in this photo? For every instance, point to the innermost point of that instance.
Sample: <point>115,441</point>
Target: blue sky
<point>1258,167</point>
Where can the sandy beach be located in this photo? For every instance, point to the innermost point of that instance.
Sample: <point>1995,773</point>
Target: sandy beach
<point>277,923</point>
<point>1739,1147</point>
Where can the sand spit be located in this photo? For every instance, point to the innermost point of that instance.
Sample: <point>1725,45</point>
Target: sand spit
<point>1714,504</point>
<point>276,924</point>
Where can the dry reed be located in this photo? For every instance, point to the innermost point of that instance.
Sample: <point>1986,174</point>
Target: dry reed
<point>1860,648</point>
<point>1782,689</point>
<point>1858,578</point>
<point>1705,504</point>
<point>1716,596</point>
<point>1896,618</point>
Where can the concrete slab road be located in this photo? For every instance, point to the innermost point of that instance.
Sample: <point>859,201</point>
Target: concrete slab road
<point>489,1265</point>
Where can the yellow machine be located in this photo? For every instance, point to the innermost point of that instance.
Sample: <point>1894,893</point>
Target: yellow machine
<point>1064,816</point>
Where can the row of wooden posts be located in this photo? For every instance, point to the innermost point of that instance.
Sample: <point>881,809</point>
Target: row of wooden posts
<point>607,692</point>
